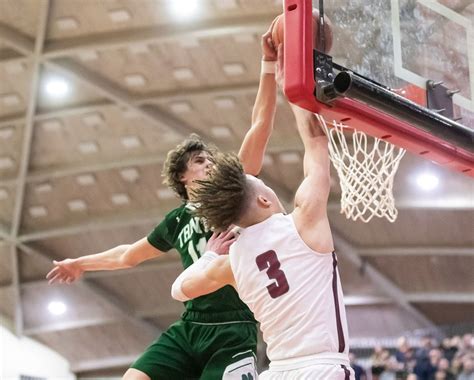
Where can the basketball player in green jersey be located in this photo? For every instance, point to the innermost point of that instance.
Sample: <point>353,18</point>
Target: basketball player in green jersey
<point>216,337</point>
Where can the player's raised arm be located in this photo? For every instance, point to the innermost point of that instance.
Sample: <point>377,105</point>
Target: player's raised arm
<point>119,257</point>
<point>253,147</point>
<point>310,213</point>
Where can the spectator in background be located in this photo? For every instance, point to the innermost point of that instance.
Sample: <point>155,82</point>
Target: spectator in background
<point>378,363</point>
<point>405,357</point>
<point>427,363</point>
<point>467,372</point>
<point>444,369</point>
<point>425,346</point>
<point>466,344</point>
<point>358,370</point>
<point>450,347</point>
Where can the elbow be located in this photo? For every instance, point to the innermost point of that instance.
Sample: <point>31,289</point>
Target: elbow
<point>177,291</point>
<point>127,260</point>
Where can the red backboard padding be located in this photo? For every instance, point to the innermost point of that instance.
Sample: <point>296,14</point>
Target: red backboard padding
<point>300,85</point>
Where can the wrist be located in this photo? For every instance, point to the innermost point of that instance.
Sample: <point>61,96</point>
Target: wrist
<point>210,255</point>
<point>268,67</point>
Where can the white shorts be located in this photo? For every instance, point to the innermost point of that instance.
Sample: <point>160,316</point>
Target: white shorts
<point>312,372</point>
<point>324,366</point>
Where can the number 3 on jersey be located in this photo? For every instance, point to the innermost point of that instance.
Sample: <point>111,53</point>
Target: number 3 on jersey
<point>269,261</point>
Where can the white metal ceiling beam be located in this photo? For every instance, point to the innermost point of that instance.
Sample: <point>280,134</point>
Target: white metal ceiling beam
<point>48,174</point>
<point>347,251</point>
<point>114,93</point>
<point>19,42</point>
<point>104,363</point>
<point>447,297</point>
<point>43,175</point>
<point>363,300</point>
<point>16,289</point>
<point>416,251</point>
<point>165,96</point>
<point>69,325</point>
<point>155,34</point>
<point>12,120</point>
<point>93,225</point>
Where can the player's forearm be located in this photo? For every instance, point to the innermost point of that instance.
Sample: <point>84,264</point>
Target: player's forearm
<point>307,124</point>
<point>111,259</point>
<point>316,158</point>
<point>198,285</point>
<point>193,281</point>
<point>263,115</point>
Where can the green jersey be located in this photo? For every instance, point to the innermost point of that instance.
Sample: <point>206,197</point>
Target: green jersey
<point>188,235</point>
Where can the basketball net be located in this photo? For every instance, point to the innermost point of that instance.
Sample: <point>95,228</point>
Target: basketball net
<point>365,171</point>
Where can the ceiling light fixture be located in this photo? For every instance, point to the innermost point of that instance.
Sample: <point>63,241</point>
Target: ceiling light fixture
<point>427,181</point>
<point>57,87</point>
<point>57,307</point>
<point>184,8</point>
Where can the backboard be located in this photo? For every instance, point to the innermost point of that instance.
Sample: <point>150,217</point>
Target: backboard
<point>399,45</point>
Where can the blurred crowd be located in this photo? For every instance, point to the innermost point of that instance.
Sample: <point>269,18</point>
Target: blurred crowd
<point>453,359</point>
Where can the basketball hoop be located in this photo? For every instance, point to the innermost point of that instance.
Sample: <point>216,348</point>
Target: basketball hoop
<point>366,172</point>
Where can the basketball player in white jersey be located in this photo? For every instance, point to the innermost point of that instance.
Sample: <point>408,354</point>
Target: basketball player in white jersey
<point>283,266</point>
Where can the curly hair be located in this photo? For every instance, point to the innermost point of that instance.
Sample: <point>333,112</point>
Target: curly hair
<point>177,160</point>
<point>222,197</point>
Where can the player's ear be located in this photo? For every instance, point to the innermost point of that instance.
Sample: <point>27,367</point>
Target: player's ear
<point>263,201</point>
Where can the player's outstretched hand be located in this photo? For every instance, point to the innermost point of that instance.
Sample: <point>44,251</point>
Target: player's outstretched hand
<point>221,241</point>
<point>64,272</point>
<point>269,52</point>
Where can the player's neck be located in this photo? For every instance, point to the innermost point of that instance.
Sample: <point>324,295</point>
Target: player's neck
<point>255,217</point>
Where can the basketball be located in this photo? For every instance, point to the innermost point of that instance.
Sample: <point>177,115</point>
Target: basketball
<point>278,30</point>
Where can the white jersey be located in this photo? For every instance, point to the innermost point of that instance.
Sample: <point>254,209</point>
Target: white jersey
<point>294,292</point>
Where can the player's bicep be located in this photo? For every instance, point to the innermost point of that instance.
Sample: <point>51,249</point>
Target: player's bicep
<point>139,252</point>
<point>312,195</point>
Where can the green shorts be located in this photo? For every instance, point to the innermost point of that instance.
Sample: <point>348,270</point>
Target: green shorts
<point>193,350</point>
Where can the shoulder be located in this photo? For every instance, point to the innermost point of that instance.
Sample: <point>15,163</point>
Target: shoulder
<point>174,216</point>
<point>176,212</point>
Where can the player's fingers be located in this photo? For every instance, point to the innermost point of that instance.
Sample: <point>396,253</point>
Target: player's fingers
<point>54,279</point>
<point>214,236</point>
<point>228,235</point>
<point>52,272</point>
<point>230,242</point>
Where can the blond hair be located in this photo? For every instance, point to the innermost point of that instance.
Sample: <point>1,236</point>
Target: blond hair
<point>223,196</point>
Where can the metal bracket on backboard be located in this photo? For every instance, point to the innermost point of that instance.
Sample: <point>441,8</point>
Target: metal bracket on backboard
<point>323,77</point>
<point>439,98</point>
